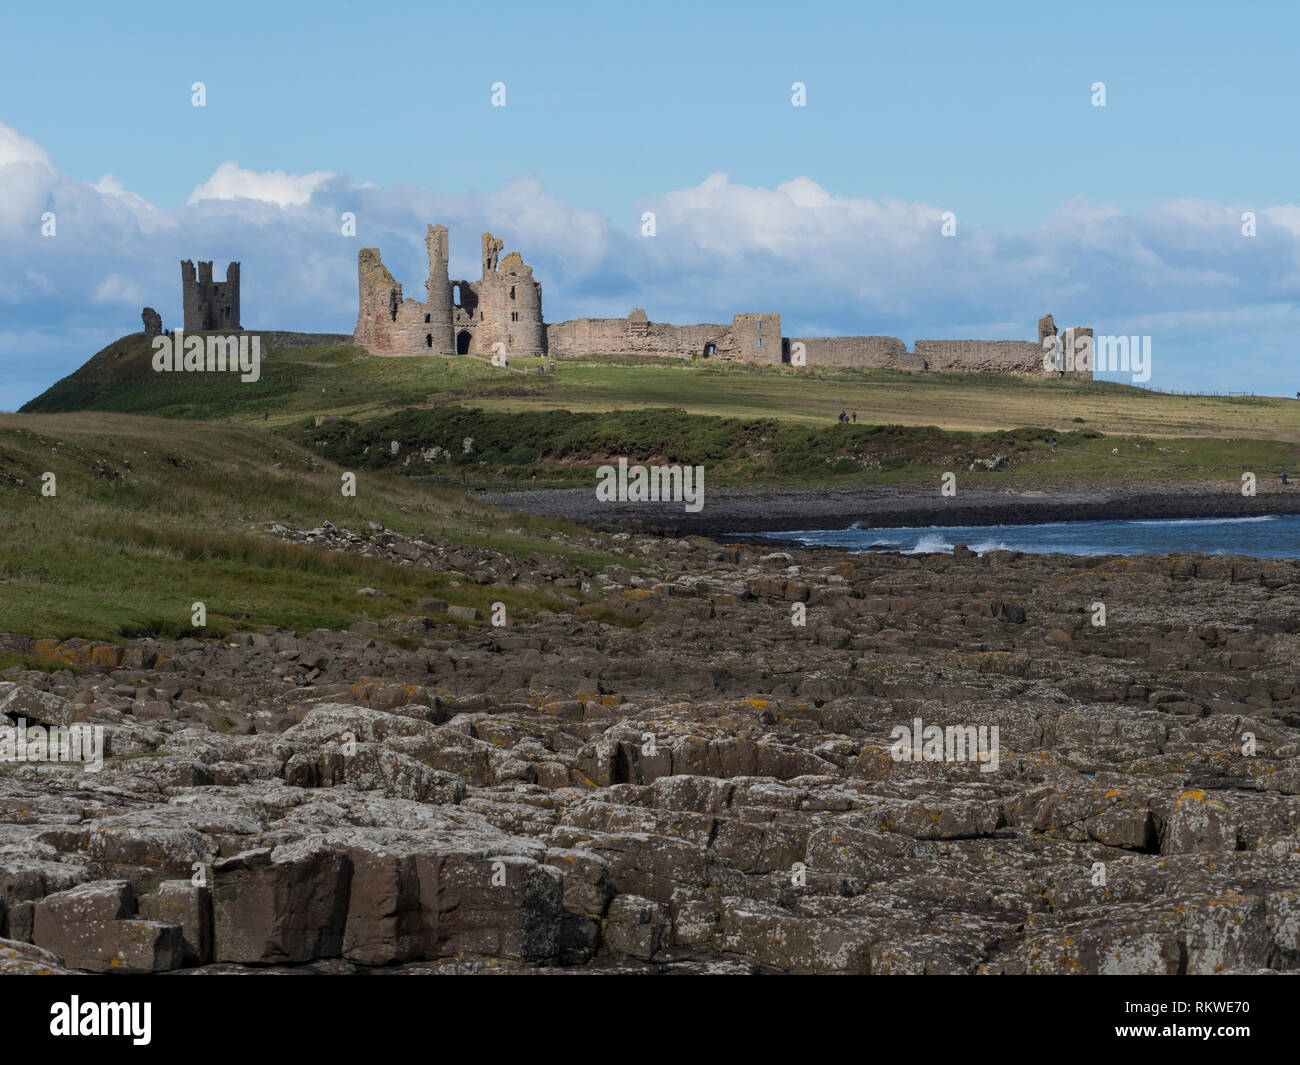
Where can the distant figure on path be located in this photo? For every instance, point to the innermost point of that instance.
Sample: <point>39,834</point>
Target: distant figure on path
<point>855,417</point>
<point>1284,478</point>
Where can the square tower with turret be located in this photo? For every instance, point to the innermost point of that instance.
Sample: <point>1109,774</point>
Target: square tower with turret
<point>211,306</point>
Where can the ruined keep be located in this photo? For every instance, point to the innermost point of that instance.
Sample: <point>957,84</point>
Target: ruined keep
<point>152,323</point>
<point>210,305</point>
<point>504,307</point>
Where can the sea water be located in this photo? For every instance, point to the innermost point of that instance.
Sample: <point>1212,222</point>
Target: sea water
<point>1266,536</point>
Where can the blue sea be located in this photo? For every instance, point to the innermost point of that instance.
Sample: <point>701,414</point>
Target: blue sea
<point>1266,536</point>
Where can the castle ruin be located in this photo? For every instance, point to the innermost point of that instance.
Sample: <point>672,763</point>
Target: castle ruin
<point>152,323</point>
<point>504,307</point>
<point>503,312</point>
<point>210,305</point>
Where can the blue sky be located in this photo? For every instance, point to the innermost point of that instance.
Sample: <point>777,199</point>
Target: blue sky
<point>1125,217</point>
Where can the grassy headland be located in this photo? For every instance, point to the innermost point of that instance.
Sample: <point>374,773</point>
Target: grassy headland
<point>151,515</point>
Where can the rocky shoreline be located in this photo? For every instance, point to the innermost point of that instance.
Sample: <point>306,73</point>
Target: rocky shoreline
<point>729,511</point>
<point>688,779</point>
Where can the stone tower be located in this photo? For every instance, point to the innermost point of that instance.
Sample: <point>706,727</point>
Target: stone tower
<point>492,248</point>
<point>210,305</point>
<point>757,337</point>
<point>439,338</point>
<point>1046,328</point>
<point>508,304</point>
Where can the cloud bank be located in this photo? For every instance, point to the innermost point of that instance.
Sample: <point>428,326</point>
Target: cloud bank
<point>1220,306</point>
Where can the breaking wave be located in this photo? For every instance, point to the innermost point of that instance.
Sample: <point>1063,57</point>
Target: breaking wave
<point>1263,536</point>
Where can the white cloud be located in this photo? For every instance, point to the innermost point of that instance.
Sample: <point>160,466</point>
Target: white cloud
<point>15,148</point>
<point>108,185</point>
<point>118,289</point>
<point>229,182</point>
<point>1287,217</point>
<point>829,263</point>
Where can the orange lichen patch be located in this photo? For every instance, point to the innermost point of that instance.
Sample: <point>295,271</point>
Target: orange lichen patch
<point>1192,795</point>
<point>381,695</point>
<point>85,654</point>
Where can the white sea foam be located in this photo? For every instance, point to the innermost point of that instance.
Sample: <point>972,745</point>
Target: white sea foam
<point>1204,521</point>
<point>930,543</point>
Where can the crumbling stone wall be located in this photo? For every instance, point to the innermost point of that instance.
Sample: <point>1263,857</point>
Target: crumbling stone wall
<point>637,335</point>
<point>749,338</point>
<point>881,353</point>
<point>504,307</point>
<point>1083,360</point>
<point>380,297</point>
<point>1046,328</point>
<point>152,323</point>
<point>739,342</point>
<point>388,324</point>
<point>990,356</point>
<point>210,305</point>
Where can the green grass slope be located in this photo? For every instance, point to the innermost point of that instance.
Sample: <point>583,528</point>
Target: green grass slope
<point>546,448</point>
<point>344,382</point>
<point>336,379</point>
<point>749,424</point>
<point>151,515</point>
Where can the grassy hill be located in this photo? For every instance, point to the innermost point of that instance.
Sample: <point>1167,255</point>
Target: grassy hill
<point>166,482</point>
<point>358,386</point>
<point>559,447</point>
<point>750,424</point>
<point>151,515</point>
